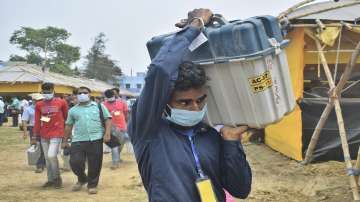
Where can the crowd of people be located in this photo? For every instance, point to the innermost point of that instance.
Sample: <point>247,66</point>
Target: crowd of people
<point>77,124</point>
<point>180,157</point>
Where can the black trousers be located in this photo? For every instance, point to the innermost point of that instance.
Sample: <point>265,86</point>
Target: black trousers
<point>15,118</point>
<point>92,151</point>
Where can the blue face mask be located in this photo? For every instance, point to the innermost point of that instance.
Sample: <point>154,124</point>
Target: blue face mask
<point>185,117</point>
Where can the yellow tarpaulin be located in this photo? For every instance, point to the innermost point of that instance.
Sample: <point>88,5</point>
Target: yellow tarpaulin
<point>329,35</point>
<point>286,135</point>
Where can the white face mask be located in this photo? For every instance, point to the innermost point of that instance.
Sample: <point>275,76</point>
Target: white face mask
<point>83,97</point>
<point>112,99</point>
<point>48,96</point>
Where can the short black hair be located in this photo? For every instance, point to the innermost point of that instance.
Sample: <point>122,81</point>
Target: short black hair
<point>190,76</point>
<point>109,93</point>
<point>116,89</point>
<point>74,92</point>
<point>47,86</point>
<point>84,87</point>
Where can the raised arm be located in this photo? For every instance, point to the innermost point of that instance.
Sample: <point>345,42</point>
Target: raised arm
<point>163,71</point>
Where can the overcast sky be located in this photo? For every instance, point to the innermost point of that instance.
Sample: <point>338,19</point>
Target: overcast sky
<point>128,25</point>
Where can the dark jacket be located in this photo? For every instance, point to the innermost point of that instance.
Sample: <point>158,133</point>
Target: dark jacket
<point>164,155</point>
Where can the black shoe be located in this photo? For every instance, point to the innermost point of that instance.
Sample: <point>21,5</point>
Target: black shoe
<point>58,183</point>
<point>48,184</point>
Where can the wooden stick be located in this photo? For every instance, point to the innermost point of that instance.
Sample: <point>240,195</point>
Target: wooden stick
<point>326,25</point>
<point>324,116</point>
<point>323,10</point>
<point>357,165</point>
<point>349,67</point>
<point>322,58</point>
<point>335,98</point>
<point>345,148</point>
<point>293,8</point>
<point>316,134</point>
<point>340,120</point>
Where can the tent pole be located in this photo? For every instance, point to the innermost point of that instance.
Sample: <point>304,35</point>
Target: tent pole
<point>316,134</point>
<point>293,8</point>
<point>323,10</point>
<point>327,25</point>
<point>345,147</point>
<point>357,165</point>
<point>334,97</point>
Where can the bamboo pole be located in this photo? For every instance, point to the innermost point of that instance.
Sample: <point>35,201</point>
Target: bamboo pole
<point>357,165</point>
<point>324,116</point>
<point>316,134</point>
<point>334,97</point>
<point>345,148</point>
<point>349,67</point>
<point>327,25</point>
<point>293,8</point>
<point>323,10</point>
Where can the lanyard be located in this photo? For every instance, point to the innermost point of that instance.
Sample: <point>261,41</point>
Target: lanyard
<point>195,154</point>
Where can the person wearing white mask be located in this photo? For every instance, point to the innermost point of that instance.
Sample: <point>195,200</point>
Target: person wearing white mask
<point>87,139</point>
<point>50,116</point>
<point>119,112</point>
<point>180,157</point>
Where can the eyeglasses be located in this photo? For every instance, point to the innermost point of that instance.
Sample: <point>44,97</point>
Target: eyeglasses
<point>79,93</point>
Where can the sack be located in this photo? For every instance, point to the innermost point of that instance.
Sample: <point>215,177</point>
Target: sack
<point>33,154</point>
<point>114,141</point>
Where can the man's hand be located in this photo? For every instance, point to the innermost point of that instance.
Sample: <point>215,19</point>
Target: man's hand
<point>230,133</point>
<point>33,140</point>
<point>204,14</point>
<point>107,137</point>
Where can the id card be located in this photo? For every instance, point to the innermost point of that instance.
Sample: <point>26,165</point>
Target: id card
<point>45,119</point>
<point>205,189</point>
<point>117,113</point>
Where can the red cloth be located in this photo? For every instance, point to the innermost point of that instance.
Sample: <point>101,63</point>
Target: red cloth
<point>56,109</point>
<point>118,110</point>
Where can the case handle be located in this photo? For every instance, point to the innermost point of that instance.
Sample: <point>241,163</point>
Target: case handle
<point>217,20</point>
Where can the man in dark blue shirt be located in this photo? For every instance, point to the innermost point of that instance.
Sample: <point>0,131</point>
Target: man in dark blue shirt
<point>179,157</point>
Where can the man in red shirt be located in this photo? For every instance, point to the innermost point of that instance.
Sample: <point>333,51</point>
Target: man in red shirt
<point>119,112</point>
<point>50,116</point>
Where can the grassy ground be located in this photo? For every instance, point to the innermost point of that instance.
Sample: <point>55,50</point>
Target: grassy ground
<point>275,178</point>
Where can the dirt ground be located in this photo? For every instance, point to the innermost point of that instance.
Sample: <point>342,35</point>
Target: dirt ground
<point>275,177</point>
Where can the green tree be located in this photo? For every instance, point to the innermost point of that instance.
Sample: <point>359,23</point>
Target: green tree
<point>47,47</point>
<point>99,65</point>
<point>17,58</point>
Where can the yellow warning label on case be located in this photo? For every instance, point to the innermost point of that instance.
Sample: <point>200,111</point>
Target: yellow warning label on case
<point>261,82</point>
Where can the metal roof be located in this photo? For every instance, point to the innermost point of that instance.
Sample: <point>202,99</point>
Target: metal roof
<point>345,10</point>
<point>29,73</point>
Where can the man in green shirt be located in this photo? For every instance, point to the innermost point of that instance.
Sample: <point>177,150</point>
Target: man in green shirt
<point>15,110</point>
<point>87,139</point>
